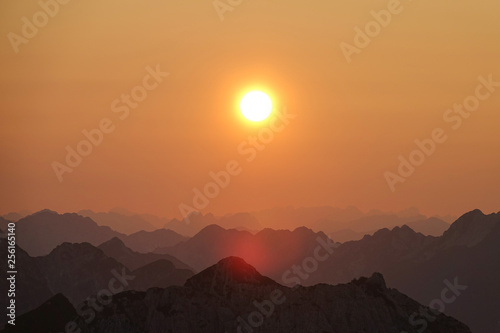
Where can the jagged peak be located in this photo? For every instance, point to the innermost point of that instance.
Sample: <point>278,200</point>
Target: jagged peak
<point>376,282</point>
<point>404,228</point>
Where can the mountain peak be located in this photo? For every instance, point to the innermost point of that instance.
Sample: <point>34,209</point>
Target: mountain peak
<point>113,243</point>
<point>373,284</point>
<point>46,212</point>
<point>470,229</point>
<point>211,229</point>
<point>228,273</point>
<point>403,229</point>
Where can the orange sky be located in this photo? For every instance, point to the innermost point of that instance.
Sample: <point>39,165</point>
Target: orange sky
<point>352,120</point>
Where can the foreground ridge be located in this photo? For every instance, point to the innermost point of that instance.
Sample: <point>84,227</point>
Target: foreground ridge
<point>231,296</point>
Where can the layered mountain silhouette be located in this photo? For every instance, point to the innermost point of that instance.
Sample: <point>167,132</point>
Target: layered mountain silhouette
<point>148,241</point>
<point>193,224</point>
<point>73,228</point>
<point>51,316</point>
<point>461,264</point>
<point>119,222</point>
<point>271,251</point>
<point>115,248</point>
<point>423,266</point>
<point>432,226</point>
<point>80,271</point>
<point>232,296</point>
<point>40,233</point>
<point>16,216</point>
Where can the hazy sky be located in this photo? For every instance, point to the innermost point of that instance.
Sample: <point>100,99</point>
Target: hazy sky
<point>353,120</point>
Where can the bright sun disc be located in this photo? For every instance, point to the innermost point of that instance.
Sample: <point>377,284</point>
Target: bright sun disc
<point>256,106</point>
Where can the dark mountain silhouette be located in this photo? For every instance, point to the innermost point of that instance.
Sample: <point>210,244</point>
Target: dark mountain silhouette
<point>73,228</point>
<point>469,251</point>
<point>80,271</point>
<point>122,223</point>
<point>160,274</point>
<point>466,254</point>
<point>51,316</point>
<point>417,265</point>
<point>115,248</point>
<point>232,296</point>
<point>272,251</point>
<point>31,287</point>
<point>379,252</point>
<point>148,241</point>
<point>77,270</point>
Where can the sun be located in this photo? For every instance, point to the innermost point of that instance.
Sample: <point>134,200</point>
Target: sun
<point>256,106</point>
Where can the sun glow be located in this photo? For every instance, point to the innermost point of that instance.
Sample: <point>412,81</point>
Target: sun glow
<point>256,106</point>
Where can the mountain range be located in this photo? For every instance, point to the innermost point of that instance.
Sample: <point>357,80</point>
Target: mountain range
<point>73,228</point>
<point>232,296</point>
<point>456,271</point>
<point>81,272</point>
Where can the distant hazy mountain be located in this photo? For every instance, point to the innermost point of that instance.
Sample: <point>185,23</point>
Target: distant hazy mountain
<point>347,235</point>
<point>40,233</point>
<point>376,222</point>
<point>429,227</point>
<point>115,248</point>
<point>119,222</point>
<point>16,216</point>
<point>312,217</point>
<point>432,226</point>
<point>271,251</point>
<point>156,221</point>
<point>4,224</point>
<point>161,273</point>
<point>73,228</point>
<point>350,223</point>
<point>232,296</point>
<point>148,241</point>
<point>196,222</point>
